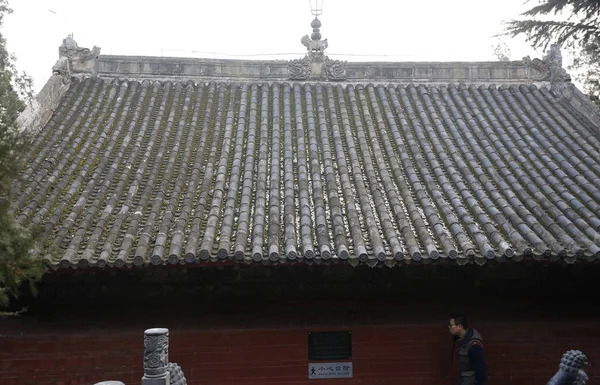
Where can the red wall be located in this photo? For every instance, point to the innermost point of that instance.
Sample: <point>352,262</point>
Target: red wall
<point>524,353</point>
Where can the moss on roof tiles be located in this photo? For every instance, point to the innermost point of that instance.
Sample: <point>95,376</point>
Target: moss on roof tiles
<point>131,174</point>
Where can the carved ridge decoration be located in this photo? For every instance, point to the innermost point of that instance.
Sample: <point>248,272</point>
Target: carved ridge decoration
<point>539,70</point>
<point>74,59</point>
<point>299,69</point>
<point>315,64</point>
<point>549,68</point>
<point>62,68</point>
<point>314,45</point>
<point>335,69</point>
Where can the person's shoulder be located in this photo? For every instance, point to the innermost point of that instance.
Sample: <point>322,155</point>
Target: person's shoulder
<point>475,349</point>
<point>475,340</point>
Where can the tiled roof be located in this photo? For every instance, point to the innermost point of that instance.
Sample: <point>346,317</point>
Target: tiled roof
<point>130,173</point>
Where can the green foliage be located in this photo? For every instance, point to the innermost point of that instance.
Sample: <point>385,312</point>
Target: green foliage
<point>581,25</point>
<point>18,265</point>
<point>578,32</point>
<point>589,62</point>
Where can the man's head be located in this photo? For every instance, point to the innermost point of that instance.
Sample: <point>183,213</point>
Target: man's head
<point>458,325</point>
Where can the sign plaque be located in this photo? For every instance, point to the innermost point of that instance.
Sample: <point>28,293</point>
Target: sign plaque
<point>329,346</point>
<point>322,370</point>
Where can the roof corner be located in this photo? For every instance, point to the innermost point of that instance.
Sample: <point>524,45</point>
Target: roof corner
<point>73,61</point>
<point>550,70</point>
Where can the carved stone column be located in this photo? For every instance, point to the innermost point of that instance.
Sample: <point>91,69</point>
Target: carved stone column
<point>156,357</point>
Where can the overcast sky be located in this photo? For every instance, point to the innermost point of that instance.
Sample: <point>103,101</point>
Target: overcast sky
<point>382,30</point>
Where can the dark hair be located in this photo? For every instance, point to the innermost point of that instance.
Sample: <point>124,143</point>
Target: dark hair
<point>460,319</point>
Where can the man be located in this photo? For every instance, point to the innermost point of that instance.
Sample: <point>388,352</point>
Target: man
<point>470,359</point>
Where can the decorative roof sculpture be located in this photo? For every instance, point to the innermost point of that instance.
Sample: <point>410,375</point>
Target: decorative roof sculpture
<point>73,58</point>
<point>316,65</point>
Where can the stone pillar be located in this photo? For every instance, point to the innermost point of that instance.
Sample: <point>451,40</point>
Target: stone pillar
<point>156,357</point>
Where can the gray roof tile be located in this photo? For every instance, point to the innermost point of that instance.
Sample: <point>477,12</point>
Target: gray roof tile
<point>130,173</point>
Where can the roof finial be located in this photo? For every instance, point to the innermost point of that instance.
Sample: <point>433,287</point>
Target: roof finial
<point>314,44</point>
<point>316,24</point>
<point>316,65</point>
<point>316,8</point>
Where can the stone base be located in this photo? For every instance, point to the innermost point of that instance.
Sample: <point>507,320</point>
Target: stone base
<point>156,381</point>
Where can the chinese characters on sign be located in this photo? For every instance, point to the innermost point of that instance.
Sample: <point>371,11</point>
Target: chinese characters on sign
<point>329,370</point>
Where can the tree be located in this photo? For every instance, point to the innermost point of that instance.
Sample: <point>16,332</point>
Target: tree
<point>501,51</point>
<point>589,63</point>
<point>577,30</point>
<point>18,265</point>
